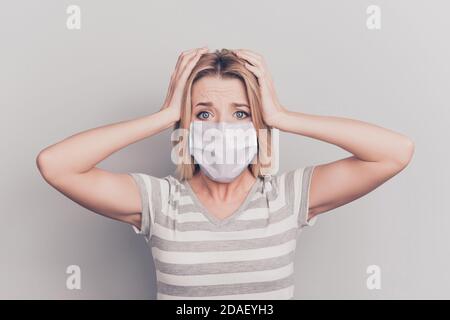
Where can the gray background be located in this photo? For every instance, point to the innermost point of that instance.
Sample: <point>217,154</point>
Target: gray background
<point>55,82</point>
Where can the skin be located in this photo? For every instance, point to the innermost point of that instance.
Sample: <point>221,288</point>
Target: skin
<point>69,165</point>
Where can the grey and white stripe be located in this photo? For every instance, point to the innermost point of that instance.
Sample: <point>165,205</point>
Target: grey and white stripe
<point>248,255</point>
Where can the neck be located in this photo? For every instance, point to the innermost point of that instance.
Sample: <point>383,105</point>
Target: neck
<point>225,191</point>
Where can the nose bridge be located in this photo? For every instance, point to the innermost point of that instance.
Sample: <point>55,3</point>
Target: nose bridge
<point>224,111</point>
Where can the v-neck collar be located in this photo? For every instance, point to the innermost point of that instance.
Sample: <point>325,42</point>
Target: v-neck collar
<point>213,219</point>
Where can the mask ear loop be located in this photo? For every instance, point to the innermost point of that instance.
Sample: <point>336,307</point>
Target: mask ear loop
<point>267,186</point>
<point>171,193</point>
<point>174,192</point>
<point>268,189</point>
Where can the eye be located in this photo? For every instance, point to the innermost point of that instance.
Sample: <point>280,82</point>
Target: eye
<point>241,114</point>
<point>203,115</point>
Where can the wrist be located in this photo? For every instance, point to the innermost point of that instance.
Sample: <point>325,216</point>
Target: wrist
<point>275,119</point>
<point>171,115</point>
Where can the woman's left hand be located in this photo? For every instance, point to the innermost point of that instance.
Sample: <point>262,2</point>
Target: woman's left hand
<point>271,107</point>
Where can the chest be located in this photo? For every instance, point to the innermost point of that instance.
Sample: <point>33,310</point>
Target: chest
<point>217,209</point>
<point>220,209</point>
<point>241,241</point>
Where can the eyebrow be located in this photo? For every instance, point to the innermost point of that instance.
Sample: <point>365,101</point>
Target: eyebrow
<point>209,104</point>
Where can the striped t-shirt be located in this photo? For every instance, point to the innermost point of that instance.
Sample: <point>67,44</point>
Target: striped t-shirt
<point>248,255</point>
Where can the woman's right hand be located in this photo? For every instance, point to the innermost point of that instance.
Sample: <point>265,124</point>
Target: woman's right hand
<point>70,164</point>
<point>186,62</point>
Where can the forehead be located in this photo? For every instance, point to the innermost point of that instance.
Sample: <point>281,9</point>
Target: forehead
<point>213,88</point>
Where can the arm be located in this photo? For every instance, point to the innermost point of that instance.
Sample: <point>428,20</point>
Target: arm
<point>70,165</point>
<point>378,153</point>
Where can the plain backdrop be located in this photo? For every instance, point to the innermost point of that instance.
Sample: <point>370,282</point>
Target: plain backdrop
<point>324,60</point>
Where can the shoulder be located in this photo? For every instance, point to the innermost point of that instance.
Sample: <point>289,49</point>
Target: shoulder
<point>157,190</point>
<point>151,183</point>
<point>295,184</point>
<point>293,181</point>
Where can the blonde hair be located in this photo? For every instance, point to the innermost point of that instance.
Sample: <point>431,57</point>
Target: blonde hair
<point>224,64</point>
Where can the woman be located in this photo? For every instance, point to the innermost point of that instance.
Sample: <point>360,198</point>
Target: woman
<point>223,231</point>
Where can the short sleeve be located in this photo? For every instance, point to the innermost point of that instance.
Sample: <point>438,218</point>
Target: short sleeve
<point>153,193</point>
<point>301,179</point>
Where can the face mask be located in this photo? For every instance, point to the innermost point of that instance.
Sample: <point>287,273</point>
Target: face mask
<point>222,149</point>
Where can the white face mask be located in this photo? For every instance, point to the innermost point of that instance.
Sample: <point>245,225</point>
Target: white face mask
<point>222,149</point>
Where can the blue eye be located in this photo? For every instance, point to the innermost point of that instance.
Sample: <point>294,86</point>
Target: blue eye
<point>203,115</point>
<point>241,114</point>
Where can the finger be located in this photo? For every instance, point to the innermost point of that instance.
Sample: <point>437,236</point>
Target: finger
<point>255,70</point>
<point>175,74</point>
<point>189,64</point>
<point>182,56</point>
<point>253,58</point>
<point>184,60</point>
<point>251,62</point>
<point>192,54</point>
<point>261,66</point>
<point>171,86</point>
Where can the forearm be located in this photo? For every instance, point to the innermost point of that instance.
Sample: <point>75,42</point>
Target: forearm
<point>82,151</point>
<point>366,141</point>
